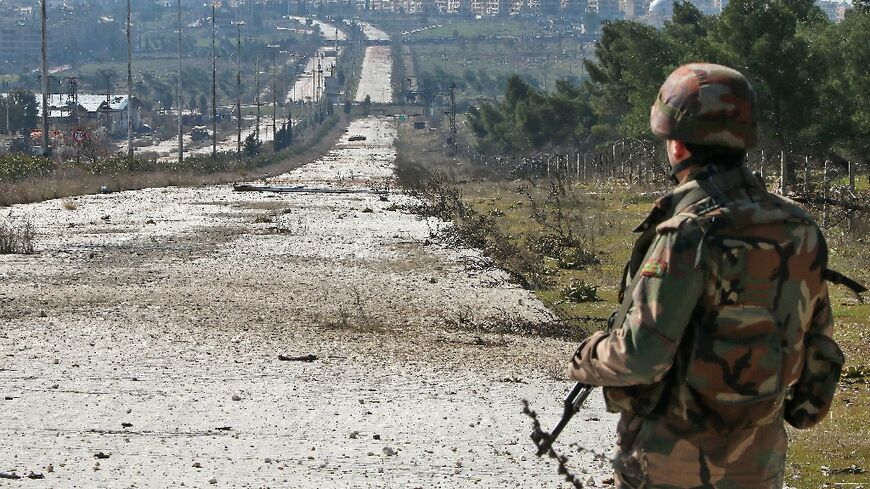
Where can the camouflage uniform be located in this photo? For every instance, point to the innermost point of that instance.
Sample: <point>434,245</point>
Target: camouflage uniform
<point>724,332</point>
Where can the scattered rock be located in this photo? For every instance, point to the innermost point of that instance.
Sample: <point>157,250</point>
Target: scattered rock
<point>376,436</point>
<point>224,428</point>
<point>126,425</point>
<point>303,358</point>
<point>354,435</point>
<point>50,468</point>
<point>197,465</point>
<point>212,481</point>
<point>106,217</point>
<point>388,451</point>
<point>236,397</point>
<point>10,475</point>
<point>367,210</point>
<point>102,455</point>
<point>150,221</point>
<point>34,475</point>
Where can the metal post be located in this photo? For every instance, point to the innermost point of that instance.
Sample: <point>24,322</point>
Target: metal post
<point>44,52</point>
<point>782,173</point>
<point>825,190</point>
<point>239,25</point>
<point>180,116</point>
<point>257,101</point>
<point>129,87</point>
<point>213,86</point>
<point>806,175</point>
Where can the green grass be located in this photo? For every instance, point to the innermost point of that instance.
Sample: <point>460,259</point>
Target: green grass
<point>483,27</point>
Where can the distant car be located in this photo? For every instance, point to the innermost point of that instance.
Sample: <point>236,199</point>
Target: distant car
<point>356,138</point>
<point>199,133</point>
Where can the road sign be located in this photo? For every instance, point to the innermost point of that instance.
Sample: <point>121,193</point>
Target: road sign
<point>79,135</point>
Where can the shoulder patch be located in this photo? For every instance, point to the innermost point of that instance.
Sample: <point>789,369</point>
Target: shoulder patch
<point>654,267</point>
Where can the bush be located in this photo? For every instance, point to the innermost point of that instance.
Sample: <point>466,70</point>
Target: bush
<point>15,166</point>
<point>580,291</point>
<point>577,258</point>
<point>16,238</point>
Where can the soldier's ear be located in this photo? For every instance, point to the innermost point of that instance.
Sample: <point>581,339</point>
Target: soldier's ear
<point>677,151</point>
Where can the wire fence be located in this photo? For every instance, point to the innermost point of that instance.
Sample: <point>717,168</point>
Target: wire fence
<point>830,189</point>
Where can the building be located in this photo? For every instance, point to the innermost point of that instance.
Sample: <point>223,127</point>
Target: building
<point>110,112</point>
<point>20,43</point>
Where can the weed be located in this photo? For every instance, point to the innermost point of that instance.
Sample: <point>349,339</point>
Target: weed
<point>70,205</point>
<point>580,291</point>
<point>16,238</point>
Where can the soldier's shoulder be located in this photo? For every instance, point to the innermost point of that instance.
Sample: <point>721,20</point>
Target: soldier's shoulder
<point>741,213</point>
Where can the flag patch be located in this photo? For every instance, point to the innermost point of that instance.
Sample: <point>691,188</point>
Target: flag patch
<point>654,268</point>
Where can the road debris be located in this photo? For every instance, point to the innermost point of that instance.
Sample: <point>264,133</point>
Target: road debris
<point>303,358</point>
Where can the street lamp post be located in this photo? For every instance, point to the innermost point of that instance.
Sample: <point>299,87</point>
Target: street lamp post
<point>129,86</point>
<point>178,94</point>
<point>257,87</point>
<point>274,48</point>
<point>44,53</point>
<point>214,6</point>
<point>239,25</point>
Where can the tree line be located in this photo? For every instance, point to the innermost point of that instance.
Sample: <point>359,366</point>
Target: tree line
<point>809,73</point>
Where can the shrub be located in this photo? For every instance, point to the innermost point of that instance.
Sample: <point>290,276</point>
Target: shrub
<point>15,166</point>
<point>16,238</point>
<point>580,291</point>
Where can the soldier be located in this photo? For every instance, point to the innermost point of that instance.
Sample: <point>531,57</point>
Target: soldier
<point>724,328</point>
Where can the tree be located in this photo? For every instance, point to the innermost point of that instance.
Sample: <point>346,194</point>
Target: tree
<point>632,61</point>
<point>367,104</point>
<point>251,145</point>
<point>22,110</point>
<point>283,138</point>
<point>842,119</point>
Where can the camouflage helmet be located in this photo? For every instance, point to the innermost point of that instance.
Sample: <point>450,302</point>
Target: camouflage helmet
<point>704,103</point>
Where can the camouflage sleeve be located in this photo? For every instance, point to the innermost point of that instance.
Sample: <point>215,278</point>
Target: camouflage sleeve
<point>811,397</point>
<point>642,350</point>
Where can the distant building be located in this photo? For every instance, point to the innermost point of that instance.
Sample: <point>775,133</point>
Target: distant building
<point>20,43</point>
<point>606,9</point>
<point>835,11</point>
<point>111,112</point>
<point>660,11</point>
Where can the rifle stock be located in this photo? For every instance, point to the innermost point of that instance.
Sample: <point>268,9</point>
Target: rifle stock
<point>575,398</point>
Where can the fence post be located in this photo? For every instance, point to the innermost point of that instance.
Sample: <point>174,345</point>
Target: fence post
<point>851,193</point>
<point>782,171</point>
<point>825,195</point>
<point>806,175</point>
<point>761,164</point>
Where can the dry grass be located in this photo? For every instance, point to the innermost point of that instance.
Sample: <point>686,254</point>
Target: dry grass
<point>70,182</point>
<point>16,238</point>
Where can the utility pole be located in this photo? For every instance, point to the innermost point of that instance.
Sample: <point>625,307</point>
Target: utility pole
<point>257,86</point>
<point>274,48</point>
<point>239,25</point>
<point>129,87</point>
<point>453,114</point>
<point>44,49</point>
<point>213,86</point>
<point>178,94</point>
<point>8,100</point>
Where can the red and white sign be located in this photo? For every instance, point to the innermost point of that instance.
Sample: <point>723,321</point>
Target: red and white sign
<point>79,135</point>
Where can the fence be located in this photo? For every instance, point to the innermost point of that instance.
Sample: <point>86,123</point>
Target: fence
<point>825,186</point>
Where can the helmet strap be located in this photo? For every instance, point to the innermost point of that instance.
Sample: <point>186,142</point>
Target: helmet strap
<point>675,169</point>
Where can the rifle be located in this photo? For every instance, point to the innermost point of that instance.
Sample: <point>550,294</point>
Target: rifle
<point>575,398</point>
